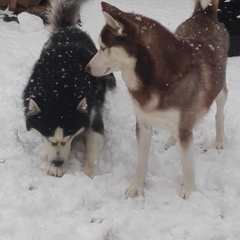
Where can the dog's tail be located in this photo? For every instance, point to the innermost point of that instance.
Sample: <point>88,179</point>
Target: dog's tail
<point>210,6</point>
<point>64,13</point>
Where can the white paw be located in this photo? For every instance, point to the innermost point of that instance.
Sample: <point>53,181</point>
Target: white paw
<point>54,171</point>
<point>220,143</point>
<point>90,169</point>
<point>135,189</point>
<point>170,142</point>
<point>186,191</point>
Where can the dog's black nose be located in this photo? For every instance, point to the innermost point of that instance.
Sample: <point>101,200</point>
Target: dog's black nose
<point>57,162</point>
<point>88,69</point>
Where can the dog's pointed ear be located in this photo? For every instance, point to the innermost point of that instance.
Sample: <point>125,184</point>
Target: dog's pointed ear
<point>106,7</point>
<point>109,12</point>
<point>113,23</point>
<point>82,106</point>
<point>33,108</point>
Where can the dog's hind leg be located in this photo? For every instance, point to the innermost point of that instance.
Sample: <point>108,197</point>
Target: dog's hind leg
<point>143,134</point>
<point>94,146</point>
<point>188,185</point>
<point>219,118</point>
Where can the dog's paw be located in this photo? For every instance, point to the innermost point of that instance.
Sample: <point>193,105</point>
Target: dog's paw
<point>90,170</point>
<point>135,189</point>
<point>54,171</point>
<point>220,143</point>
<point>186,191</point>
<point>170,142</point>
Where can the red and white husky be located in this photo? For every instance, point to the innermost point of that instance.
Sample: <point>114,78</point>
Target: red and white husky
<point>172,79</point>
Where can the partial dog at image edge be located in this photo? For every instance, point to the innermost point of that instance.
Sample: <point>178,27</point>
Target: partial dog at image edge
<point>172,79</point>
<point>61,100</point>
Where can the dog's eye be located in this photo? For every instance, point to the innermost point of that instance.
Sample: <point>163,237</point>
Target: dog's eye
<point>102,48</point>
<point>63,143</point>
<point>54,143</point>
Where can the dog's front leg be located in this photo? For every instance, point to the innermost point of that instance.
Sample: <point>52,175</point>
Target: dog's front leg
<point>186,153</point>
<point>219,118</point>
<point>94,146</point>
<point>143,134</point>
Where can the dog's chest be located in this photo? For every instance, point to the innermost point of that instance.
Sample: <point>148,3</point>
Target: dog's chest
<point>166,119</point>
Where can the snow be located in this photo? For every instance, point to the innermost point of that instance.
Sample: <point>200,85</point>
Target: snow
<point>34,206</point>
<point>29,22</point>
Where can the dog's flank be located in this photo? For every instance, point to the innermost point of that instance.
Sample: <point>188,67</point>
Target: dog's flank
<point>61,100</point>
<point>172,78</point>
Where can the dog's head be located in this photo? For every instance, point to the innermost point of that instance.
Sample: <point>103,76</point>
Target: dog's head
<point>58,125</point>
<point>121,41</point>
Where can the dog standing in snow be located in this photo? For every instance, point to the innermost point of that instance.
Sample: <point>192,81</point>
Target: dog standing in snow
<point>172,79</point>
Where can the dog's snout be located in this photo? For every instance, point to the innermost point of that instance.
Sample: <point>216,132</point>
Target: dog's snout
<point>57,162</point>
<point>88,68</point>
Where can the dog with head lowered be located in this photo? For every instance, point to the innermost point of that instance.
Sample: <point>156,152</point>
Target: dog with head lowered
<point>61,100</point>
<point>172,78</point>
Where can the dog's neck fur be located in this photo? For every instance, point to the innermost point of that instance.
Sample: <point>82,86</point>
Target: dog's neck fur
<point>166,61</point>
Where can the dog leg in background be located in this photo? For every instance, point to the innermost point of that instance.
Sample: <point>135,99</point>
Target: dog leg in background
<point>94,147</point>
<point>12,5</point>
<point>186,154</point>
<point>143,134</point>
<point>219,118</point>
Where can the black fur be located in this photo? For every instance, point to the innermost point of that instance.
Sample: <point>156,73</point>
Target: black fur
<point>59,82</point>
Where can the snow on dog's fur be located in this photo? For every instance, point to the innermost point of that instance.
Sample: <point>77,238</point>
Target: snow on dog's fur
<point>61,100</point>
<point>172,79</point>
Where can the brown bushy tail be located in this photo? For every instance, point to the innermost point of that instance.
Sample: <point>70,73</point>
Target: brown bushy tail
<point>64,13</point>
<point>210,6</point>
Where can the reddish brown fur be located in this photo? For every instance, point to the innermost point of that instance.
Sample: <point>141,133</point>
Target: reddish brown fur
<point>172,78</point>
<point>23,3</point>
<point>171,62</point>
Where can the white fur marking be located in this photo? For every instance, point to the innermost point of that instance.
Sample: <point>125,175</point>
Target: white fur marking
<point>54,171</point>
<point>219,119</point>
<point>33,108</point>
<point>188,185</point>
<point>94,146</point>
<point>58,148</point>
<point>111,60</point>
<point>205,3</point>
<point>144,141</point>
<point>168,119</point>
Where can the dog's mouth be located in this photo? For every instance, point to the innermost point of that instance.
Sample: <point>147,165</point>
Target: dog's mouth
<point>107,71</point>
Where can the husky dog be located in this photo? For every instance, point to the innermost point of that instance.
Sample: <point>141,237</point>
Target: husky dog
<point>61,100</point>
<point>172,79</point>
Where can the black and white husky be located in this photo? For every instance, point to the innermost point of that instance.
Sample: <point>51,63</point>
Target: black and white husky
<point>61,100</point>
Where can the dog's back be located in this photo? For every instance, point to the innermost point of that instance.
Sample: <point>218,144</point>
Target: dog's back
<point>209,40</point>
<point>204,27</point>
<point>206,34</point>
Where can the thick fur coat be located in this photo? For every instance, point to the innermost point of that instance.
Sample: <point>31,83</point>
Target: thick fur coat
<point>172,78</point>
<point>61,100</point>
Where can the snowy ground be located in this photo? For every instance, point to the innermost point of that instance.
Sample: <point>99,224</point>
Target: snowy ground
<point>34,206</point>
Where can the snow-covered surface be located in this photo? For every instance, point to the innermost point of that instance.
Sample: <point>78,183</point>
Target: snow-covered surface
<point>29,22</point>
<point>34,206</point>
